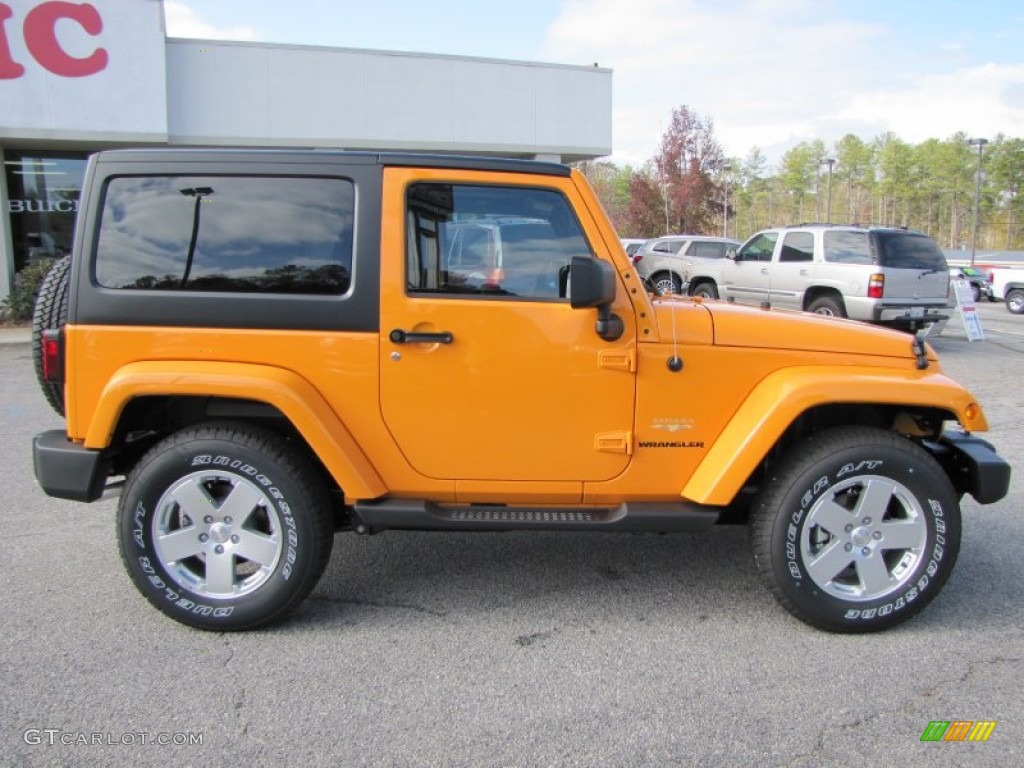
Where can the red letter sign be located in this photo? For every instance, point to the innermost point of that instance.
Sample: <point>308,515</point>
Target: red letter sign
<point>9,68</point>
<point>41,38</point>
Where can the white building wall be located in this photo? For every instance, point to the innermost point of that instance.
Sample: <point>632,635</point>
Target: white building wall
<point>271,95</point>
<point>123,100</point>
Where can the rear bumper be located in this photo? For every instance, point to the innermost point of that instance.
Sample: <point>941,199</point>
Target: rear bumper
<point>973,465</point>
<point>909,318</point>
<point>66,470</point>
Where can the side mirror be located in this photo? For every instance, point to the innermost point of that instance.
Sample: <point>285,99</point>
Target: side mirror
<point>592,284</point>
<point>730,253</point>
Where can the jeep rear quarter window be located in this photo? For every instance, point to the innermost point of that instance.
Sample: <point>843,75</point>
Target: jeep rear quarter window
<point>229,234</point>
<point>490,241</point>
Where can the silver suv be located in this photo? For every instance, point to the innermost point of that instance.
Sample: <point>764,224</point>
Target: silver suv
<point>881,275</point>
<point>662,261</point>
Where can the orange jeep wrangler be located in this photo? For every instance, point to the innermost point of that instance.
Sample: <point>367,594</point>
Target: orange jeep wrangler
<point>261,348</point>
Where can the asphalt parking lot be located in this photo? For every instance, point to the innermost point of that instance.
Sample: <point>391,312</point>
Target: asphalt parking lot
<point>522,649</point>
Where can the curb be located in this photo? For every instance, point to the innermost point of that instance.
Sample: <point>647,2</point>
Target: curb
<point>15,335</point>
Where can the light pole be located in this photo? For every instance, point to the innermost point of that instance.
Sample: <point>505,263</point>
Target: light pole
<point>664,186</point>
<point>726,170</point>
<point>829,161</point>
<point>980,144</point>
<point>198,193</point>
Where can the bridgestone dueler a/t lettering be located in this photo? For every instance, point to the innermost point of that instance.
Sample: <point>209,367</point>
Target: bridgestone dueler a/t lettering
<point>857,530</point>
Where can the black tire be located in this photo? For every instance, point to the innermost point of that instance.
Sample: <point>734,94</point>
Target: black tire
<point>268,555</point>
<point>51,313</point>
<point>975,292</point>
<point>705,290</point>
<point>1015,300</point>
<point>829,306</point>
<point>666,283</point>
<point>857,530</point>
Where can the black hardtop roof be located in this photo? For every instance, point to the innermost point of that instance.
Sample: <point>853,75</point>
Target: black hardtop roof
<point>406,159</point>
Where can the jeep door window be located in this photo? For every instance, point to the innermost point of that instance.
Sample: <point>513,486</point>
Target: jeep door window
<point>490,241</point>
<point>848,247</point>
<point>235,234</point>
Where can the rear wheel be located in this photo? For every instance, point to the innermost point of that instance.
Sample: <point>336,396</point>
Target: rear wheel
<point>225,526</point>
<point>1015,301</point>
<point>51,313</point>
<point>705,290</point>
<point>830,306</point>
<point>857,530</point>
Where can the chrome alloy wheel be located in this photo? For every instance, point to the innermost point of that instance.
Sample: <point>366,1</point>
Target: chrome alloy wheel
<point>217,534</point>
<point>862,540</point>
<point>667,285</point>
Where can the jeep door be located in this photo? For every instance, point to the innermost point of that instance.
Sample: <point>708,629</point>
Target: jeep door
<point>500,379</point>
<point>792,271</point>
<point>747,277</point>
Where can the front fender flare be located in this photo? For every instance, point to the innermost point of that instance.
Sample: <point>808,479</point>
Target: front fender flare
<point>300,402</point>
<point>783,395</point>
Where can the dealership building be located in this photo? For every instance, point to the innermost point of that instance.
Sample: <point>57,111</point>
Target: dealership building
<point>77,77</point>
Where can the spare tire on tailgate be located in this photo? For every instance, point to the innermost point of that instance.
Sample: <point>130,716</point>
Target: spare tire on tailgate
<point>51,313</point>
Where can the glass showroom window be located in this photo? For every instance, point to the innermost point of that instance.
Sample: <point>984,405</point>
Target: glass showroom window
<point>43,189</point>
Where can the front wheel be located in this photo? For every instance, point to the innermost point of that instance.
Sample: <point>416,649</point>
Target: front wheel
<point>224,526</point>
<point>1015,301</point>
<point>857,530</point>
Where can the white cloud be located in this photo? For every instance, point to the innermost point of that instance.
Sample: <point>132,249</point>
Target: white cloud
<point>981,101</point>
<point>772,73</point>
<point>183,21</point>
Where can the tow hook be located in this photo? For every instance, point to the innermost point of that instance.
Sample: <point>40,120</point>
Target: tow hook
<point>917,345</point>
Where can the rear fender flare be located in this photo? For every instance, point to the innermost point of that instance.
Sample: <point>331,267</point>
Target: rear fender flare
<point>300,402</point>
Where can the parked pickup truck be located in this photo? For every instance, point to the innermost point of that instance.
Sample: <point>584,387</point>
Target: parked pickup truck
<point>1008,286</point>
<point>258,349</point>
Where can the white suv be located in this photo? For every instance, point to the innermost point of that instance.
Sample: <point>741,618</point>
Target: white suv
<point>662,261</point>
<point>881,275</point>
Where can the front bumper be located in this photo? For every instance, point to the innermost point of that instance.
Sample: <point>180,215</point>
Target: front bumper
<point>67,470</point>
<point>973,465</point>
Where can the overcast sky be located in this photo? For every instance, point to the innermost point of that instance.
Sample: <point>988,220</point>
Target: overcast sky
<point>769,73</point>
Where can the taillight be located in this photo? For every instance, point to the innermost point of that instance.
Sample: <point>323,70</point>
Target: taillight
<point>876,286</point>
<point>53,362</point>
<point>637,258</point>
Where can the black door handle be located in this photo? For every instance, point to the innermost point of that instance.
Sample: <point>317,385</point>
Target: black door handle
<point>398,336</point>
